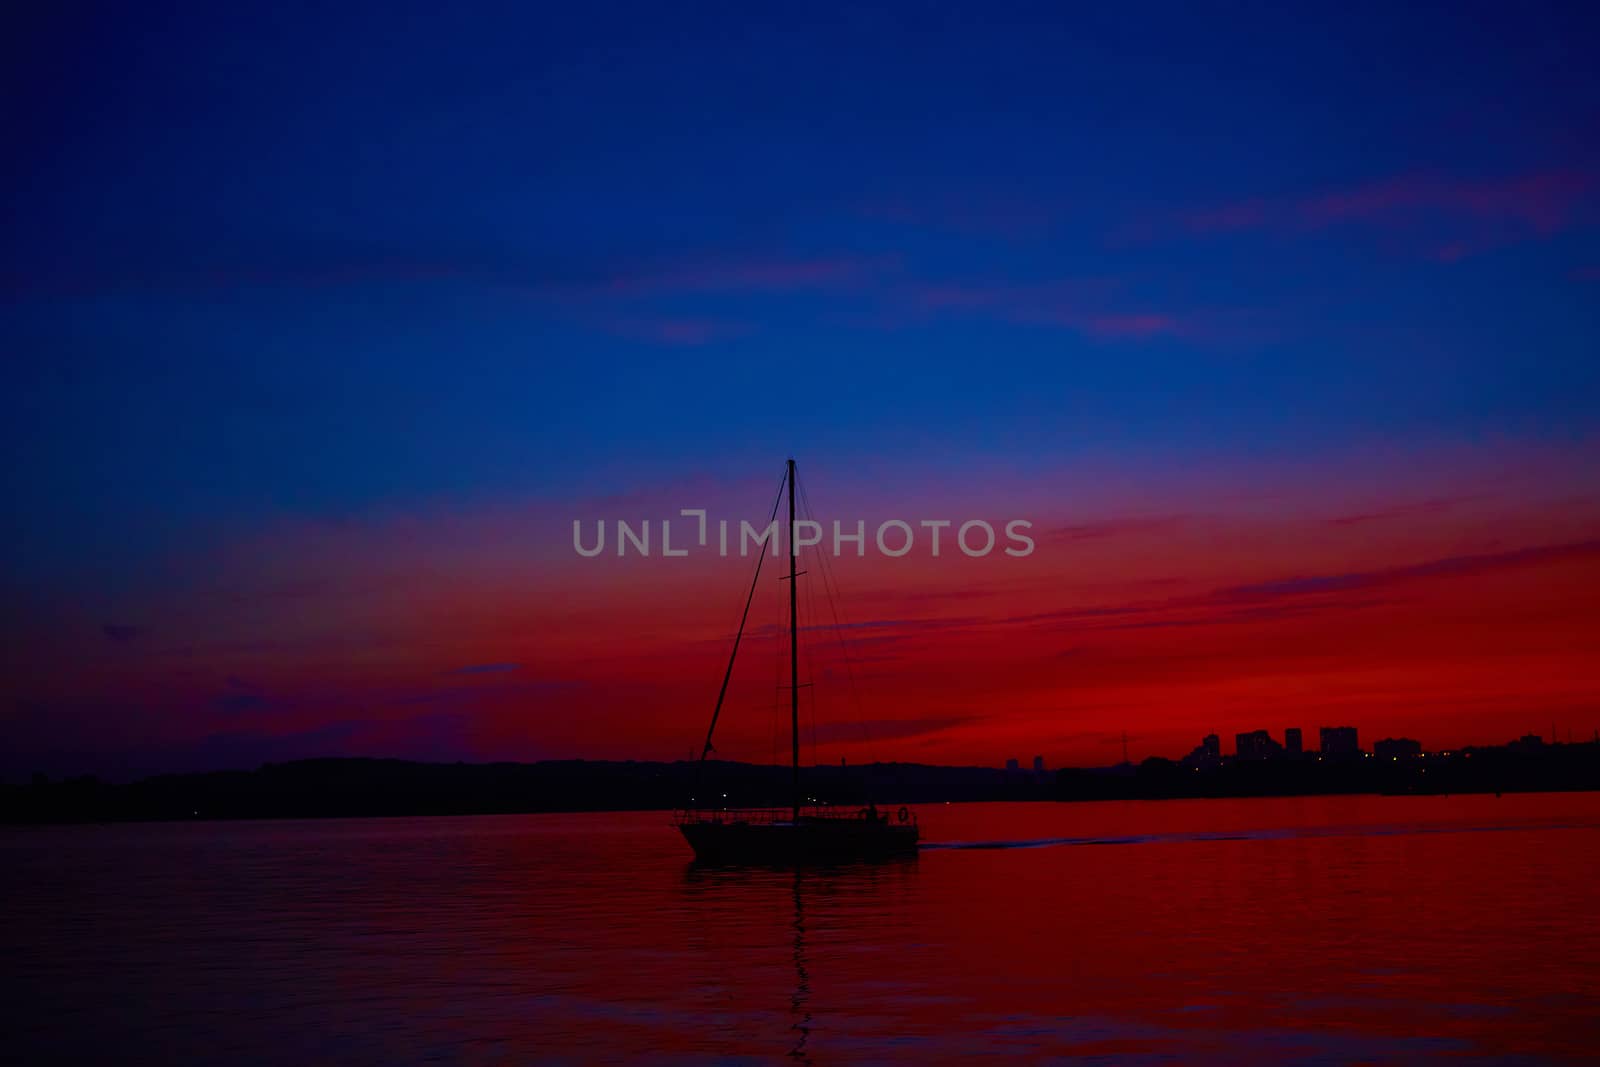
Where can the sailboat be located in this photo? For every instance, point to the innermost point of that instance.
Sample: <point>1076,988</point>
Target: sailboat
<point>797,834</point>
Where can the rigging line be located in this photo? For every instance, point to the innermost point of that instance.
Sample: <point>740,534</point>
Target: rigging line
<point>722,694</point>
<point>834,595</point>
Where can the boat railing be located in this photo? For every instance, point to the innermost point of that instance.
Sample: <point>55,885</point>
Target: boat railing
<point>769,816</point>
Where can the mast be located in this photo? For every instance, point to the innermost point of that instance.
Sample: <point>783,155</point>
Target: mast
<point>794,652</point>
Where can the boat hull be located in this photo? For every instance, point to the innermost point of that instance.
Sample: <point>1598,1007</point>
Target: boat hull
<point>809,841</point>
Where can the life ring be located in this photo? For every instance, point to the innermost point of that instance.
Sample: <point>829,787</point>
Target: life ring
<point>904,814</point>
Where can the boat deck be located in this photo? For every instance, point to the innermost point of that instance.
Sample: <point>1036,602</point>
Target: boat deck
<point>740,835</point>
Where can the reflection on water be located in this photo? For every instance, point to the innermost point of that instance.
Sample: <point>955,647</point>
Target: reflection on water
<point>738,888</point>
<point>1327,930</point>
<point>802,983</point>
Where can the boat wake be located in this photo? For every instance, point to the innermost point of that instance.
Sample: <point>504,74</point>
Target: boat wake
<point>1250,835</point>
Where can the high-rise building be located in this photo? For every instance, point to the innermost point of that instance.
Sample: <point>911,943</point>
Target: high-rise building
<point>1293,744</point>
<point>1012,766</point>
<point>1257,744</point>
<point>1208,753</point>
<point>1038,765</point>
<point>1340,741</point>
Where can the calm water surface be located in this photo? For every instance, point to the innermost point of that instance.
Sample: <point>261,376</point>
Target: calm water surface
<point>1318,930</point>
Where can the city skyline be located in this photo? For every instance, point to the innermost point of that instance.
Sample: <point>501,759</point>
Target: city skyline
<point>1344,740</point>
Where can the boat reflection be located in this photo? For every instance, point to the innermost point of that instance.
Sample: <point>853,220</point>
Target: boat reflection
<point>799,1004</point>
<point>799,894</point>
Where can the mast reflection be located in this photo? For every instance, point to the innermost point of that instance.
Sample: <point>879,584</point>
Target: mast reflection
<point>799,1006</point>
<point>728,897</point>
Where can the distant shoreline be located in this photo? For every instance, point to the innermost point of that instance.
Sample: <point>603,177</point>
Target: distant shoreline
<point>359,787</point>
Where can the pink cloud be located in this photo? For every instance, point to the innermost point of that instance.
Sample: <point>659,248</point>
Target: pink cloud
<point>1538,202</point>
<point>1085,305</point>
<point>1135,326</point>
<point>1408,511</point>
<point>1546,202</point>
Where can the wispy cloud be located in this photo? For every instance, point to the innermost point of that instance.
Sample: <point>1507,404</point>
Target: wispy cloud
<point>1450,566</point>
<point>1544,201</point>
<point>1146,324</point>
<point>1484,211</point>
<point>1096,307</point>
<point>1399,511</point>
<point>1298,595</point>
<point>639,304</point>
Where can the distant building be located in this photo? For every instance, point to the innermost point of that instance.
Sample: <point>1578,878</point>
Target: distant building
<point>1397,748</point>
<point>1038,765</point>
<point>1257,744</point>
<point>1012,766</point>
<point>1293,744</point>
<point>1208,753</point>
<point>1526,743</point>
<point>1340,741</point>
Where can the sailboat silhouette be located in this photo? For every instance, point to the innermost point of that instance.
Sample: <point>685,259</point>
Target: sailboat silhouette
<point>797,834</point>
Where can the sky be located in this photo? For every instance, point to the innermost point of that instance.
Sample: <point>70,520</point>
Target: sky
<point>321,327</point>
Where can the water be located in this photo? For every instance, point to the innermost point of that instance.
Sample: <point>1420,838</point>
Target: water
<point>1316,930</point>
